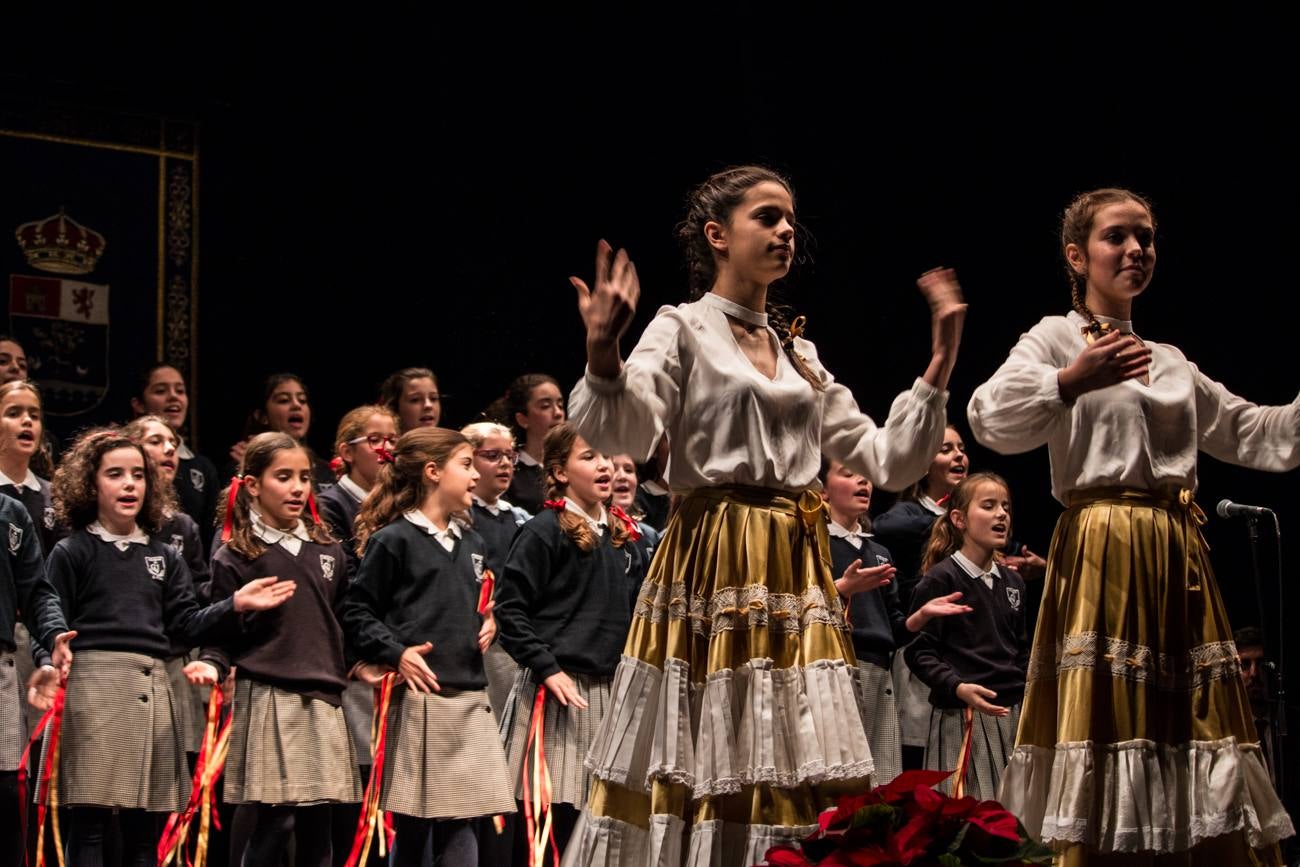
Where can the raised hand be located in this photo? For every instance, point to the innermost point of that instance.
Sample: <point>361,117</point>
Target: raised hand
<point>200,673</point>
<point>263,594</point>
<point>1105,362</point>
<point>939,606</point>
<point>61,656</point>
<point>565,690</point>
<point>1030,566</point>
<point>415,671</point>
<point>43,687</point>
<point>947,318</point>
<point>977,697</point>
<point>859,580</point>
<point>608,308</point>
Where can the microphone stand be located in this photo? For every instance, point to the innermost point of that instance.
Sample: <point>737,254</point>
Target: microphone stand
<point>1273,648</point>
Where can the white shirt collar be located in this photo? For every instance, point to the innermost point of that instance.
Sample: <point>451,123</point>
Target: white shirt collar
<point>446,538</point>
<point>597,525</point>
<point>528,460</point>
<point>927,502</point>
<point>854,536</point>
<point>29,481</point>
<point>353,489</point>
<point>493,509</point>
<point>183,451</point>
<point>121,542</point>
<point>975,571</point>
<point>290,540</point>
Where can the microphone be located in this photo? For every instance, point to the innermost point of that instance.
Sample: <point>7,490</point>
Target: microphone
<point>1229,509</point>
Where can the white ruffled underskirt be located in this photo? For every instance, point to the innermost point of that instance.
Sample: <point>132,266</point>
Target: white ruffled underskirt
<point>1139,795</point>
<point>599,841</point>
<point>744,726</point>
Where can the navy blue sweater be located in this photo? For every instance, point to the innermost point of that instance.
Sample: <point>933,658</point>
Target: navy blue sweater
<point>876,617</point>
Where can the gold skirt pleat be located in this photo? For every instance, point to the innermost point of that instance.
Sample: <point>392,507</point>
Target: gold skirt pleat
<point>1133,648</point>
<point>747,573</point>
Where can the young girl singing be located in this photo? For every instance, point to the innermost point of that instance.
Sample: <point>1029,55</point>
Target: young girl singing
<point>290,754</point>
<point>973,664</point>
<point>534,405</point>
<point>129,598</point>
<point>564,612</point>
<point>414,609</point>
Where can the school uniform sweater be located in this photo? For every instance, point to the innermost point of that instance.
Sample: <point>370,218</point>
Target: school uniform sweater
<point>528,487</point>
<point>35,494</point>
<point>410,590</point>
<point>197,487</point>
<point>987,646</point>
<point>497,524</point>
<point>24,588</point>
<point>132,596</point>
<point>905,529</point>
<point>298,646</point>
<point>560,608</point>
<point>876,617</point>
<point>338,508</point>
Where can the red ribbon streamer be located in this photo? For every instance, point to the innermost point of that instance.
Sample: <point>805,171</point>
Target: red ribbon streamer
<point>486,587</point>
<point>369,818</point>
<point>49,777</point>
<point>202,791</point>
<point>963,757</point>
<point>538,828</point>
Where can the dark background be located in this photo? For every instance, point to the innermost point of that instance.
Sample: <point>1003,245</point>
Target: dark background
<point>382,189</point>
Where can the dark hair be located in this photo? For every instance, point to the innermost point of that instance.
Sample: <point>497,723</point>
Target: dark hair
<point>515,401</point>
<point>148,373</point>
<point>1076,226</point>
<point>914,491</point>
<point>258,458</point>
<point>560,441</point>
<point>1248,636</point>
<point>256,422</point>
<point>714,201</point>
<point>944,535</point>
<point>390,391</point>
<point>76,496</point>
<point>399,486</point>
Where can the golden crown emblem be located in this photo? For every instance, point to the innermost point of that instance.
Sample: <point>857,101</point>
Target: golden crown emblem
<point>60,244</point>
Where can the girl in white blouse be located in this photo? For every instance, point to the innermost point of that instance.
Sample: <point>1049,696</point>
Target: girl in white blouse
<point>1135,734</point>
<point>738,608</point>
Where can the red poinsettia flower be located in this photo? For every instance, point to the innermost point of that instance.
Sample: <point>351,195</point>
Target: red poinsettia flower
<point>786,856</point>
<point>992,819</point>
<point>904,786</point>
<point>830,820</point>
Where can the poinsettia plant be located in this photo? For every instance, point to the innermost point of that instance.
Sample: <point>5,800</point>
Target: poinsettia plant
<point>906,823</point>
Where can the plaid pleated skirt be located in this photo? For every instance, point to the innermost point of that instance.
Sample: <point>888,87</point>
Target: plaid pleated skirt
<point>1136,737</point>
<point>501,669</point>
<point>444,758</point>
<point>880,720</point>
<point>992,740</point>
<point>122,742</point>
<point>192,720</point>
<point>734,717</point>
<point>359,712</point>
<point>286,748</point>
<point>567,734</point>
<point>13,728</point>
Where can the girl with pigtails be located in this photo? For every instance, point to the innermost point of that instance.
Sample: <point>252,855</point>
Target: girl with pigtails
<point>739,610</point>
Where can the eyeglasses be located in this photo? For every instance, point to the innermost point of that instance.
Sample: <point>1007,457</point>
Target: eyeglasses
<point>375,440</point>
<point>494,455</point>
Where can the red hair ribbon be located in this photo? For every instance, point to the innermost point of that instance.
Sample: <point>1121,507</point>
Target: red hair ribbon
<point>557,505</point>
<point>384,455</point>
<point>945,498</point>
<point>228,526</point>
<point>337,467</point>
<point>633,531</point>
<point>311,505</point>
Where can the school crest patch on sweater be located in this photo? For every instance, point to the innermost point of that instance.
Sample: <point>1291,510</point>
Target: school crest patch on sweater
<point>327,566</point>
<point>1013,596</point>
<point>15,538</point>
<point>157,567</point>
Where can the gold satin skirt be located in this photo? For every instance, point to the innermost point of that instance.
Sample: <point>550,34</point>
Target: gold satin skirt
<point>734,718</point>
<point>1136,743</point>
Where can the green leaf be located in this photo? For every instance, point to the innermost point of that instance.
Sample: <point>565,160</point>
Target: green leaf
<point>947,859</point>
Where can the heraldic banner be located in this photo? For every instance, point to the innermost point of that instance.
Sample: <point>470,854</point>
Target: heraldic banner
<point>100,262</point>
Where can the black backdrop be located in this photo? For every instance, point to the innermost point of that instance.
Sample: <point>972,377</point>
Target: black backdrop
<point>382,191</point>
